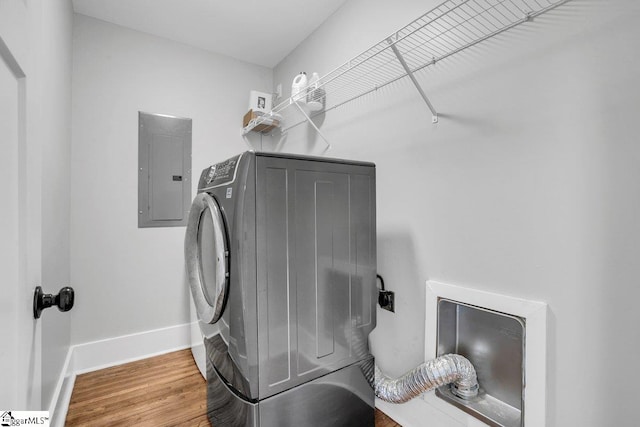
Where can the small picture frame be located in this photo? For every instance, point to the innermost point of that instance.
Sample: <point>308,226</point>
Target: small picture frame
<point>259,102</point>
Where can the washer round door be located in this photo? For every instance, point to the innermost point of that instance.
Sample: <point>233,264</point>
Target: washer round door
<point>207,258</point>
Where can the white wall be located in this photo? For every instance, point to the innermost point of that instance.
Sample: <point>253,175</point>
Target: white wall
<point>528,186</point>
<point>128,279</point>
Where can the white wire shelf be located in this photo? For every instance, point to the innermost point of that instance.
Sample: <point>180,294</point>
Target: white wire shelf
<point>443,31</point>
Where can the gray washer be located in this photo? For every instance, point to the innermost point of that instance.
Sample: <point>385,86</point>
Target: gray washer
<point>281,256</point>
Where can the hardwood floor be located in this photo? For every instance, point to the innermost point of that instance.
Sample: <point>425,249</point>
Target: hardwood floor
<point>383,420</point>
<point>166,390</point>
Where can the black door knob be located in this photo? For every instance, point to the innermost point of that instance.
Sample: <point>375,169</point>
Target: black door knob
<point>64,300</point>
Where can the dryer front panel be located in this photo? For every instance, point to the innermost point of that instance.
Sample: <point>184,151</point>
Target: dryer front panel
<point>207,258</point>
<point>316,268</point>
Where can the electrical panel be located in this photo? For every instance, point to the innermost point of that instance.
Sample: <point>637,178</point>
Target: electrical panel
<point>164,170</point>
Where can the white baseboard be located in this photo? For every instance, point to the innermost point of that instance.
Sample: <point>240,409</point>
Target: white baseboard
<point>95,355</point>
<point>62,392</point>
<point>414,413</point>
<point>109,352</point>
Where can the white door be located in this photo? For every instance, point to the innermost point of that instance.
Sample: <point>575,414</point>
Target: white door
<point>19,245</point>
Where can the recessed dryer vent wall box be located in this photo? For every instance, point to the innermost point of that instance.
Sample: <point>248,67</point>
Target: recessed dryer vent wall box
<point>494,343</point>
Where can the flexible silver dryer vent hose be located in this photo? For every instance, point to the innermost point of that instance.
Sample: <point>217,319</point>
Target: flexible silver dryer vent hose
<point>448,369</point>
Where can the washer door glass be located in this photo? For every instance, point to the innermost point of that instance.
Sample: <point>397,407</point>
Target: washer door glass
<point>207,258</point>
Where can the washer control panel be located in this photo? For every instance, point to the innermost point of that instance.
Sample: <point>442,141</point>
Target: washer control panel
<point>222,173</point>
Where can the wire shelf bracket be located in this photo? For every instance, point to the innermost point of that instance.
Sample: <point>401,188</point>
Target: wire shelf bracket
<point>434,117</point>
<point>306,116</point>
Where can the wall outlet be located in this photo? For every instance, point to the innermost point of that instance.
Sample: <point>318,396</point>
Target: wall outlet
<point>386,299</point>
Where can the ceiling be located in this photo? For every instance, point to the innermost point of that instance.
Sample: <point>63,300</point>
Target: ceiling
<point>260,32</point>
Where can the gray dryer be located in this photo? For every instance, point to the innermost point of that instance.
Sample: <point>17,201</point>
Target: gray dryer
<point>281,253</point>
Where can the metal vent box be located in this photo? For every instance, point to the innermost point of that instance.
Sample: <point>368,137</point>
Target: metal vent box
<point>494,343</point>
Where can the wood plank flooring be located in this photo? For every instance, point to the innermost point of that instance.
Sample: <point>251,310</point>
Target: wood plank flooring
<point>383,420</point>
<point>166,390</point>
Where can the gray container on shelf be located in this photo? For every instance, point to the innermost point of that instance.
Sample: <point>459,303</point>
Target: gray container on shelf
<point>316,96</point>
